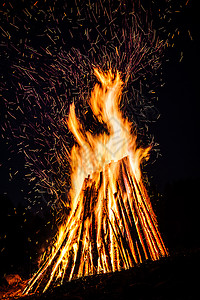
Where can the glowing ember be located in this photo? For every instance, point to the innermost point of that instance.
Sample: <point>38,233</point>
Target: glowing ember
<point>111,225</point>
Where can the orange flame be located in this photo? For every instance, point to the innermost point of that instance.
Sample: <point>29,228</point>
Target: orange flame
<point>92,152</point>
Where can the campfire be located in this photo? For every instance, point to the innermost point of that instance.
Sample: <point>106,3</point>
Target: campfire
<point>111,225</point>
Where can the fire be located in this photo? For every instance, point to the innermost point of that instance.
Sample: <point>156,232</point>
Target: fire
<point>103,148</point>
<point>111,225</point>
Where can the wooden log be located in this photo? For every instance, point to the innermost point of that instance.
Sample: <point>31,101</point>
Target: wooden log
<point>137,222</point>
<point>87,194</point>
<point>149,217</point>
<point>136,230</point>
<point>133,256</point>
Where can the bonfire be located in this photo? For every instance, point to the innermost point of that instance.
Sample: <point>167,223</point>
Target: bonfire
<point>111,225</point>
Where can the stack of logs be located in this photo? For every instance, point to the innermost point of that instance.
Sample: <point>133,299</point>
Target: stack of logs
<point>113,227</point>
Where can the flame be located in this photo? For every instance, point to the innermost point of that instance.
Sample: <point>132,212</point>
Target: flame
<point>92,152</point>
<point>111,224</point>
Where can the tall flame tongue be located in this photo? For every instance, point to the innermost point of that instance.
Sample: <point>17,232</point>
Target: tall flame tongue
<point>111,224</point>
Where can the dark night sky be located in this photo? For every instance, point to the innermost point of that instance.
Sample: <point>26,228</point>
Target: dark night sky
<point>177,130</point>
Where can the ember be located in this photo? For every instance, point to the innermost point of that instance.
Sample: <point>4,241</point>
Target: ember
<point>111,225</point>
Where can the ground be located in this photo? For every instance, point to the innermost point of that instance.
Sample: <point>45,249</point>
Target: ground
<point>174,277</point>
